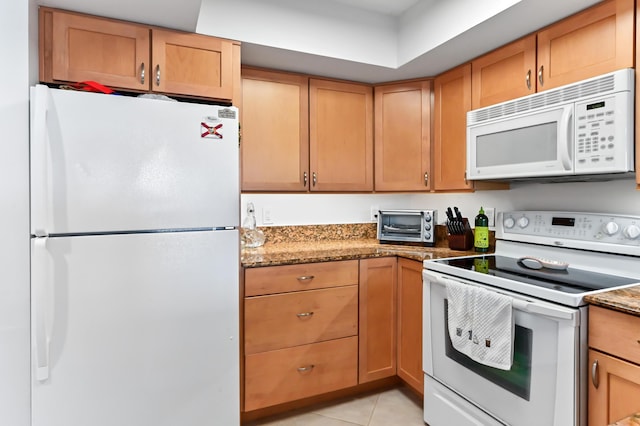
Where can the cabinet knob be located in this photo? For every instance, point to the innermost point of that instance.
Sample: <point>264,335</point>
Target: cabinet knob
<point>305,178</point>
<point>158,75</point>
<point>304,314</point>
<point>594,374</point>
<point>314,178</point>
<point>540,75</point>
<point>426,179</point>
<point>142,73</point>
<point>305,278</point>
<point>528,80</point>
<point>306,368</point>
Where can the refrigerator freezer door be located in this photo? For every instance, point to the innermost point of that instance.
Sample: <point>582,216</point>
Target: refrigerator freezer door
<point>104,163</point>
<point>140,330</point>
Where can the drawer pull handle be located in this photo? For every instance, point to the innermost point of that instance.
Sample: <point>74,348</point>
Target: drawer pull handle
<point>305,278</point>
<point>307,368</point>
<point>594,374</point>
<point>304,314</point>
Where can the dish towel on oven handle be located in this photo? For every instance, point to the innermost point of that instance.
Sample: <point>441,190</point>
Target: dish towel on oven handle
<point>480,324</point>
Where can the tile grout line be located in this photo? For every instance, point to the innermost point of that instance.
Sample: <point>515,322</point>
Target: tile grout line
<point>375,404</point>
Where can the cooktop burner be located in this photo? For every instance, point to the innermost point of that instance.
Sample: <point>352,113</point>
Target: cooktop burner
<point>569,280</point>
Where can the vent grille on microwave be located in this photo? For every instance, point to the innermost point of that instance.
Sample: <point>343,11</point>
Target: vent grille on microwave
<point>598,85</point>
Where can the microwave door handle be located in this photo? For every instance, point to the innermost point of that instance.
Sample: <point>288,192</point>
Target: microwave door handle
<point>566,149</point>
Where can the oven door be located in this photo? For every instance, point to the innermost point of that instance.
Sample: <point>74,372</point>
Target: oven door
<point>542,387</point>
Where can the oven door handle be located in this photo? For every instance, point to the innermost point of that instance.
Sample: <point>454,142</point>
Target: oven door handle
<point>548,311</point>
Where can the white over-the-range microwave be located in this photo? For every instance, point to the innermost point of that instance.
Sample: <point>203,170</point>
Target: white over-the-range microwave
<point>579,131</point>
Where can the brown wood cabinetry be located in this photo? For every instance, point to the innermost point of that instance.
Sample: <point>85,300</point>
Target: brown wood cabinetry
<point>614,366</point>
<point>409,341</point>
<point>275,131</point>
<point>452,91</point>
<point>402,136</point>
<point>300,331</point>
<point>340,136</point>
<point>129,56</point>
<point>593,42</point>
<point>506,73</point>
<point>378,299</point>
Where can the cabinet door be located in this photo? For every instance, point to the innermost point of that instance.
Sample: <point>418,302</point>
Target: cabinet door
<point>275,131</point>
<point>341,136</point>
<point>410,323</point>
<point>506,73</point>
<point>452,101</point>
<point>618,393</point>
<point>378,286</point>
<point>77,48</point>
<point>402,136</point>
<point>595,41</point>
<point>191,64</point>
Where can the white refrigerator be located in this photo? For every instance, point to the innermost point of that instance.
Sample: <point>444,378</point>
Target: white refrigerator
<point>134,261</point>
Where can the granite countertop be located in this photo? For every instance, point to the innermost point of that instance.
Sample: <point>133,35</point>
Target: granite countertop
<point>625,300</point>
<point>290,245</point>
<point>272,254</point>
<point>632,420</point>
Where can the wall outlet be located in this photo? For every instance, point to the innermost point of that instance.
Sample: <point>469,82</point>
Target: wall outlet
<point>267,218</point>
<point>374,213</point>
<point>491,214</point>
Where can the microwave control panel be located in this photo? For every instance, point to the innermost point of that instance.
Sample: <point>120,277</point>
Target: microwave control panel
<point>603,141</point>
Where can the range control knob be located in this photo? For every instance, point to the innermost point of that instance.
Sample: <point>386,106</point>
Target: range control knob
<point>610,228</point>
<point>509,222</point>
<point>523,222</point>
<point>632,232</point>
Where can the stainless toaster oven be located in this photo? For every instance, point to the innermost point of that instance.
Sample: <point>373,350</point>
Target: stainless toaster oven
<point>407,226</point>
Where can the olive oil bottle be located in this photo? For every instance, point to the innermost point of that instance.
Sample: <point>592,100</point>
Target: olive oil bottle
<point>481,233</point>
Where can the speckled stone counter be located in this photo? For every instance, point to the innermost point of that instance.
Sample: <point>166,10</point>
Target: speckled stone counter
<point>322,243</point>
<point>633,420</point>
<point>625,300</point>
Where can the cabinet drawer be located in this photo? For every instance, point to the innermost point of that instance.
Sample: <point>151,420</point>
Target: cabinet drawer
<point>615,333</point>
<point>306,276</point>
<point>291,319</point>
<point>288,374</point>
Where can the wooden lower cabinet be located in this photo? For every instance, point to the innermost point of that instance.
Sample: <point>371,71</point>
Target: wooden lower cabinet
<point>409,340</point>
<point>618,393</point>
<point>378,298</point>
<point>292,319</point>
<point>284,375</point>
<point>614,366</point>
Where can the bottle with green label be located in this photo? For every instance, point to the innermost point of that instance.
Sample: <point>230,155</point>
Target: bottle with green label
<point>481,233</point>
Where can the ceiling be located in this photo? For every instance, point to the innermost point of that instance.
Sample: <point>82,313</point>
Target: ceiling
<point>361,40</point>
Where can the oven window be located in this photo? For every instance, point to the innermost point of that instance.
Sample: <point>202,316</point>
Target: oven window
<point>518,379</point>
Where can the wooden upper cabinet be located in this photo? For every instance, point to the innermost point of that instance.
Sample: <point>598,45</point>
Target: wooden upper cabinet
<point>596,41</point>
<point>506,73</point>
<point>76,48</point>
<point>275,131</point>
<point>452,91</point>
<point>637,105</point>
<point>402,136</point>
<point>191,64</point>
<point>341,136</point>
<point>128,56</point>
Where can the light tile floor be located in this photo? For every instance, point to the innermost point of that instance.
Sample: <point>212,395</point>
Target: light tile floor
<point>392,407</point>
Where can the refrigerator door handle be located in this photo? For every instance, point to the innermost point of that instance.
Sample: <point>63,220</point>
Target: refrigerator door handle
<point>42,307</point>
<point>39,184</point>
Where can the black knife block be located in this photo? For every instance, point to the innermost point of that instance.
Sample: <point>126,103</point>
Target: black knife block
<point>462,241</point>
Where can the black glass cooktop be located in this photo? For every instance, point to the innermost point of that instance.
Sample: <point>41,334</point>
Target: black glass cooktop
<point>570,280</point>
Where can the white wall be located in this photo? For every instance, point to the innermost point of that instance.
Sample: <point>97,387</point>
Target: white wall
<point>310,209</point>
<point>14,214</point>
